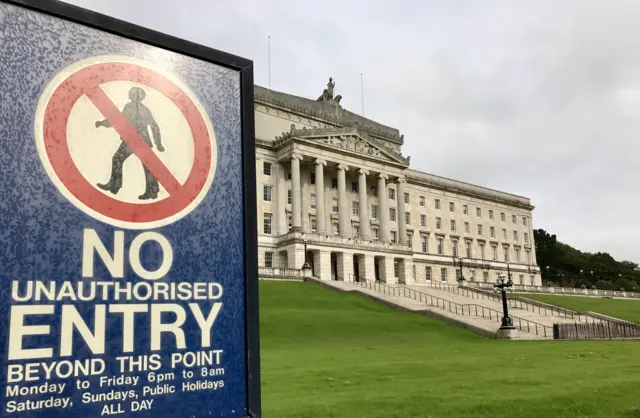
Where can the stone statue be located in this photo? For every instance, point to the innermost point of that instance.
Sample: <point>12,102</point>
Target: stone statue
<point>327,94</point>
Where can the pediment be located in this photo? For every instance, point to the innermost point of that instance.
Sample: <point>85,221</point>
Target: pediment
<point>348,139</point>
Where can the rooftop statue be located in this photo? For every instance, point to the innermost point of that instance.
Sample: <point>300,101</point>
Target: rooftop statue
<point>327,94</point>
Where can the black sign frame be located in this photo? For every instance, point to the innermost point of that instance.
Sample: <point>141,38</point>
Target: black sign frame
<point>244,67</point>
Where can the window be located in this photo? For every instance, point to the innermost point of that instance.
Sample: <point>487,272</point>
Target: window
<point>375,234</point>
<point>409,240</point>
<point>480,230</point>
<point>394,236</point>
<point>437,203</point>
<point>407,218</point>
<point>374,191</point>
<point>526,238</point>
<point>440,246</point>
<point>528,254</point>
<point>465,209</point>
<point>438,223</point>
<point>494,252</point>
<point>490,214</point>
<point>268,259</point>
<point>504,234</point>
<point>314,225</point>
<point>522,279</point>
<point>354,186</point>
<point>266,169</point>
<point>515,236</point>
<point>356,230</point>
<point>443,274</point>
<point>355,208</point>
<point>334,205</point>
<point>374,211</point>
<point>482,251</point>
<point>524,221</point>
<point>334,183</point>
<point>513,218</point>
<point>312,178</point>
<point>289,221</point>
<point>423,221</point>
<point>467,246</point>
<point>427,273</point>
<point>518,255</point>
<point>289,175</point>
<point>502,216</point>
<point>485,276</point>
<point>466,227</point>
<point>452,207</point>
<point>313,201</point>
<point>406,198</point>
<point>396,269</point>
<point>289,197</point>
<point>458,274</point>
<point>425,244</point>
<point>266,225</point>
<point>336,229</point>
<point>392,214</point>
<point>506,254</point>
<point>478,212</point>
<point>453,226</point>
<point>392,194</point>
<point>267,193</point>
<point>422,201</point>
<point>492,232</point>
<point>454,249</point>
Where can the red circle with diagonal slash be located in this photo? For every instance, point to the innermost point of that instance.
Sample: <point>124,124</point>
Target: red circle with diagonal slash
<point>87,81</point>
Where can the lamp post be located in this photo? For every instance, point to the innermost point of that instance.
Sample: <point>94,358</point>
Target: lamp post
<point>461,279</point>
<point>507,322</point>
<point>306,265</point>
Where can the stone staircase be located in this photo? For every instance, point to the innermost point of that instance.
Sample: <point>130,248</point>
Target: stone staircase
<point>482,318</point>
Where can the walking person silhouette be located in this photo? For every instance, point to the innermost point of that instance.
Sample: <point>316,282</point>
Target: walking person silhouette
<point>141,118</point>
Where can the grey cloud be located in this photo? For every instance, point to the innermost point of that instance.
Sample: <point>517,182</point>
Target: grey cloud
<point>539,98</point>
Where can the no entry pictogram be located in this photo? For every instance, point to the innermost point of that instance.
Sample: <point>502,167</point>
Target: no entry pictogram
<point>87,81</point>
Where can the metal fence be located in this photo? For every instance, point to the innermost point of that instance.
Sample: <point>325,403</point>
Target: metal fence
<point>603,330</point>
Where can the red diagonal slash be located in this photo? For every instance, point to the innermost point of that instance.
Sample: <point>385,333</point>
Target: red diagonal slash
<point>132,137</point>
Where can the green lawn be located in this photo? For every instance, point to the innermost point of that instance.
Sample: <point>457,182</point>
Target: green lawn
<point>326,354</point>
<point>619,308</point>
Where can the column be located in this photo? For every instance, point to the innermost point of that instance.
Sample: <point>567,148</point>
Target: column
<point>296,214</point>
<point>281,217</point>
<point>402,223</point>
<point>383,207</point>
<point>365,224</point>
<point>322,263</point>
<point>366,264</point>
<point>320,203</point>
<point>345,267</point>
<point>387,271</point>
<point>306,201</point>
<point>343,204</point>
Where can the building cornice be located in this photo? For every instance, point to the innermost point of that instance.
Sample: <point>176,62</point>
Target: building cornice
<point>449,185</point>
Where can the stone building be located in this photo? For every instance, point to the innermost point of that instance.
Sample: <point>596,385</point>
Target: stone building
<point>338,183</point>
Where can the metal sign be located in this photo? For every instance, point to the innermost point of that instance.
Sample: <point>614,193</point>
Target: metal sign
<point>128,233</point>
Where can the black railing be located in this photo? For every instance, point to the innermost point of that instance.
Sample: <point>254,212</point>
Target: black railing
<point>603,330</point>
<point>457,308</point>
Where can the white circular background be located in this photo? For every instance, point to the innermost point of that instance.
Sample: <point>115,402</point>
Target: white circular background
<point>92,148</point>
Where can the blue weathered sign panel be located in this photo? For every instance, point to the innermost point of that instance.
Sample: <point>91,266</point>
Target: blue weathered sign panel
<point>127,221</point>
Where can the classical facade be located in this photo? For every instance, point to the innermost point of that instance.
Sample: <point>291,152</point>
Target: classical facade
<point>337,184</point>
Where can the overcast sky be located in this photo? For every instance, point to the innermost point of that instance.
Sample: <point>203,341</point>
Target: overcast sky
<point>537,98</point>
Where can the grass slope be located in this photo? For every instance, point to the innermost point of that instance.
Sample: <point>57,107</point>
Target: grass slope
<point>619,308</point>
<point>326,354</point>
